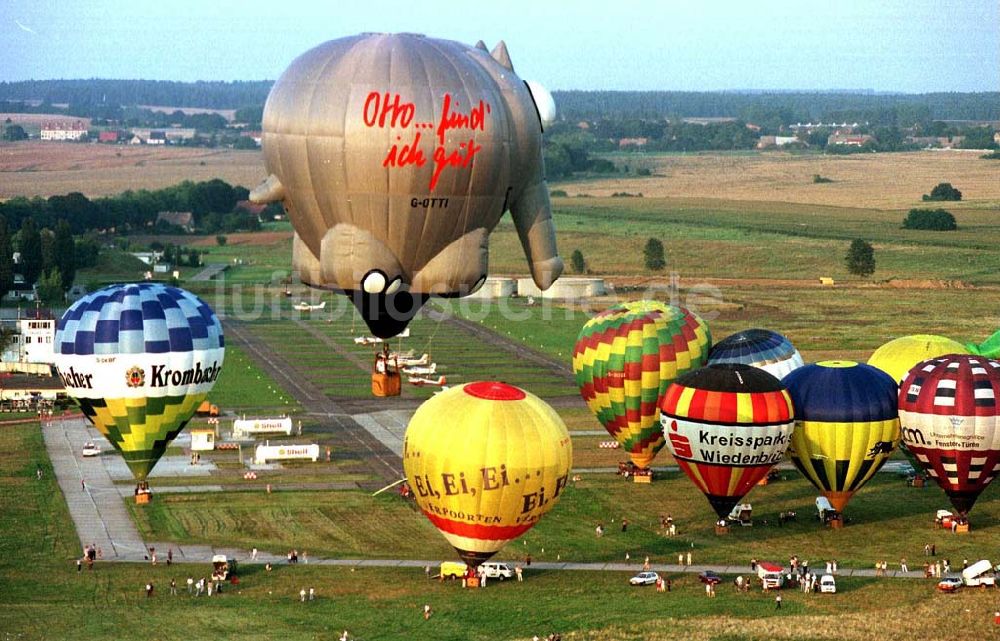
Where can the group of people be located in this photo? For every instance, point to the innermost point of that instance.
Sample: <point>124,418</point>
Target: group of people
<point>90,554</point>
<point>303,594</point>
<point>293,556</point>
<point>667,525</point>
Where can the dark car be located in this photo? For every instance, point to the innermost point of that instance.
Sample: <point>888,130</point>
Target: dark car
<point>709,578</point>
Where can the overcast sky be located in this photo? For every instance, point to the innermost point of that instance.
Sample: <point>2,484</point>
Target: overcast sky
<point>885,45</point>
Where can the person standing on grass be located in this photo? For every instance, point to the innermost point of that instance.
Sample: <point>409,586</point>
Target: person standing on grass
<point>689,558</point>
<point>302,595</point>
<point>519,572</point>
<point>427,611</point>
<point>173,587</point>
<point>902,565</point>
<point>777,602</point>
<point>149,590</point>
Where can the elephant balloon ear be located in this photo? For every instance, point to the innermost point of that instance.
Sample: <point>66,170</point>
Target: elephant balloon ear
<point>990,348</point>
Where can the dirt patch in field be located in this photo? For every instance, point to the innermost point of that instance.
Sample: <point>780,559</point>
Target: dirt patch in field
<point>36,168</point>
<point>254,239</point>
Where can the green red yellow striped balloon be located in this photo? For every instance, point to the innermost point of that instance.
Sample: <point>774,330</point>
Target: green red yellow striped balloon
<point>624,360</point>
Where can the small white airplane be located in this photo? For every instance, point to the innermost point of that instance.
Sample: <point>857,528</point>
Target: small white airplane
<point>410,361</point>
<point>303,306</point>
<point>402,356</point>
<point>420,381</point>
<point>374,340</point>
<point>417,370</point>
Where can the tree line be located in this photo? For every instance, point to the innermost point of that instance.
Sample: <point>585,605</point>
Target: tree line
<point>212,203</point>
<point>48,257</point>
<point>774,107</point>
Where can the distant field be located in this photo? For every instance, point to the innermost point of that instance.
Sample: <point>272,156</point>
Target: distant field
<point>882,181</point>
<point>35,168</point>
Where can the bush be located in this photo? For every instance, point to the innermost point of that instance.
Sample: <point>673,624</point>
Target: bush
<point>579,264</point>
<point>932,219</point>
<point>653,255</point>
<point>821,179</point>
<point>602,166</point>
<point>558,193</point>
<point>860,258</point>
<point>221,240</point>
<point>943,191</point>
<point>643,171</point>
<point>994,155</point>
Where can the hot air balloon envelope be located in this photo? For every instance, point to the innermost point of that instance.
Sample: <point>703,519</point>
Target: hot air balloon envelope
<point>846,425</point>
<point>625,358</point>
<point>949,419</point>
<point>139,359</point>
<point>727,425</point>
<point>486,461</point>
<point>395,156</point>
<point>896,357</point>
<point>762,348</point>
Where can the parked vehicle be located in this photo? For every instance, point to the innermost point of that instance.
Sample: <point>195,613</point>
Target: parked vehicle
<point>824,510</point>
<point>742,514</point>
<point>452,570</point>
<point>771,576</point>
<point>90,449</point>
<point>949,584</point>
<point>710,578</point>
<point>827,584</point>
<point>979,574</point>
<point>496,570</point>
<point>644,578</point>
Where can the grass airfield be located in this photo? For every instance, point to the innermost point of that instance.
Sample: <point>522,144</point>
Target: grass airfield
<point>742,259</point>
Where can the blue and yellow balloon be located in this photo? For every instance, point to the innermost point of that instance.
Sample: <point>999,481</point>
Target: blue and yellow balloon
<point>139,359</point>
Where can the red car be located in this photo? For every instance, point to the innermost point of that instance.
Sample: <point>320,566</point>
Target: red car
<point>709,578</point>
<point>949,584</point>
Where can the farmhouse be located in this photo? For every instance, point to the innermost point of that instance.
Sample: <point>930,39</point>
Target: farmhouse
<point>74,130</point>
<point>182,219</point>
<point>854,140</point>
<point>632,142</point>
<point>776,141</point>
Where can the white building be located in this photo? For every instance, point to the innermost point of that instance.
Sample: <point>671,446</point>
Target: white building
<point>74,130</point>
<point>32,341</point>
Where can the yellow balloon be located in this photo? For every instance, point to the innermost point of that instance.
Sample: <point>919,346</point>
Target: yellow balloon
<point>486,461</point>
<point>896,357</point>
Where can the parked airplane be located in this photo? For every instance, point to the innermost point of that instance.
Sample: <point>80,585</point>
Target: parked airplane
<point>303,306</point>
<point>417,370</point>
<point>420,381</point>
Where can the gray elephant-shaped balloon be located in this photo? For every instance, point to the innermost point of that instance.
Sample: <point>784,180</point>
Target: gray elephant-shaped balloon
<point>395,156</point>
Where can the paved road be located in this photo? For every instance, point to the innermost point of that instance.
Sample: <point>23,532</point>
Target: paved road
<point>347,432</point>
<point>210,271</point>
<point>96,507</point>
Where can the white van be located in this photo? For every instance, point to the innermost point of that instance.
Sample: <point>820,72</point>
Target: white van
<point>496,570</point>
<point>824,510</point>
<point>742,514</point>
<point>978,574</point>
<point>771,576</point>
<point>828,584</point>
